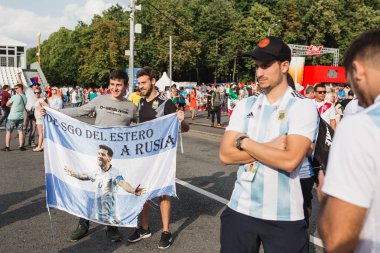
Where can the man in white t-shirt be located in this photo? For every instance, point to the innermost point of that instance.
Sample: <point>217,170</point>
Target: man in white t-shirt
<point>325,108</point>
<point>74,98</point>
<point>266,206</point>
<point>350,201</point>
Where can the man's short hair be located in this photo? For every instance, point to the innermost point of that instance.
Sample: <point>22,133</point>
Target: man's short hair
<point>366,46</point>
<point>19,85</point>
<point>109,150</point>
<point>119,74</point>
<point>147,71</point>
<point>309,89</point>
<point>5,87</point>
<point>320,85</point>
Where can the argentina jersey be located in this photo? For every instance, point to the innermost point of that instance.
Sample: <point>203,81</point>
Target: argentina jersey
<point>273,194</point>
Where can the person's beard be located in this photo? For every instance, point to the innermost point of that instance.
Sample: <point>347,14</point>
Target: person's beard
<point>149,91</point>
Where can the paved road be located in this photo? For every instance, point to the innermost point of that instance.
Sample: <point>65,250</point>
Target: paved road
<point>25,225</point>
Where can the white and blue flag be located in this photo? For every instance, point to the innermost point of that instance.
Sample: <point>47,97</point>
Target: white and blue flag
<point>140,156</point>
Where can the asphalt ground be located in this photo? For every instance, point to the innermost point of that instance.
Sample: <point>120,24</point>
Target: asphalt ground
<point>203,187</point>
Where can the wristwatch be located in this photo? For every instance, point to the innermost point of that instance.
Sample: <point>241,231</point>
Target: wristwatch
<point>238,141</point>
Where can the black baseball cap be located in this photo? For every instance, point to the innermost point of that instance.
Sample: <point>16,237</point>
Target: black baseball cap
<point>271,49</point>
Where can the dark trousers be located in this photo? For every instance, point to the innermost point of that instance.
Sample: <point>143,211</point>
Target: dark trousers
<point>307,188</point>
<point>244,234</point>
<point>208,107</point>
<point>217,112</point>
<point>32,129</point>
<point>5,112</point>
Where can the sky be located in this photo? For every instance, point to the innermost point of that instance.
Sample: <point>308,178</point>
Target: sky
<point>22,20</point>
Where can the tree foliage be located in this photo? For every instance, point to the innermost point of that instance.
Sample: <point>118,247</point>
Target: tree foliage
<point>208,37</point>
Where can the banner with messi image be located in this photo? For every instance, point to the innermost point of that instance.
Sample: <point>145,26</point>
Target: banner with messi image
<point>107,174</point>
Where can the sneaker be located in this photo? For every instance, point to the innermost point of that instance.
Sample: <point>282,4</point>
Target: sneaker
<point>139,234</point>
<point>166,240</point>
<point>6,149</point>
<point>113,234</point>
<point>219,125</point>
<point>77,234</point>
<point>22,148</point>
<point>38,149</point>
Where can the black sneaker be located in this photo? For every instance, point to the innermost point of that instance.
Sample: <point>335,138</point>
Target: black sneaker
<point>80,232</point>
<point>6,149</point>
<point>113,234</point>
<point>22,148</point>
<point>139,234</point>
<point>166,240</point>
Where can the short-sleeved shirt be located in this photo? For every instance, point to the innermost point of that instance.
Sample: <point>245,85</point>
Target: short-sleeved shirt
<point>18,107</point>
<point>157,107</point>
<point>74,97</point>
<point>326,110</point>
<point>353,172</point>
<point>273,194</point>
<point>341,93</point>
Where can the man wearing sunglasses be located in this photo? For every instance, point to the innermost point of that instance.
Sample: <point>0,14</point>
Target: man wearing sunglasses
<point>325,109</point>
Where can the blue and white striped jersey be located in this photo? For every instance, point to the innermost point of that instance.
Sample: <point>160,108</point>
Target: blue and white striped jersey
<point>273,194</point>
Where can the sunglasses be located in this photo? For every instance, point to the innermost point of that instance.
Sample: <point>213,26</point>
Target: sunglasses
<point>321,92</point>
<point>37,92</point>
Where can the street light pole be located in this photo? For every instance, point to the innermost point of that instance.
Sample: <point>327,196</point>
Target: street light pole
<point>273,25</point>
<point>131,43</point>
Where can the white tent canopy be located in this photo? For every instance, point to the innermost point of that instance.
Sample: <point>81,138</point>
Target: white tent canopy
<point>164,81</point>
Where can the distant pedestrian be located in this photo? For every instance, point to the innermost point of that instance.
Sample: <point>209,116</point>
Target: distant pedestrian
<point>16,118</point>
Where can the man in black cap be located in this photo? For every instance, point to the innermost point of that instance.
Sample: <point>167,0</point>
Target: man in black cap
<point>269,136</point>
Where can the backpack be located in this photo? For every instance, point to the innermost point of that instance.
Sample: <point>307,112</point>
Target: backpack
<point>321,147</point>
<point>217,99</point>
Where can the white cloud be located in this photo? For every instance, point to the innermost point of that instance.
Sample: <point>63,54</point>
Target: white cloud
<point>23,25</point>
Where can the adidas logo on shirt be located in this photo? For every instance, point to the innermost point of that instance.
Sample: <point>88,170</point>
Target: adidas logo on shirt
<point>250,115</point>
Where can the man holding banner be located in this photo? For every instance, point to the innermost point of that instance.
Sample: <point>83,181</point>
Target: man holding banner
<point>152,106</point>
<point>111,110</point>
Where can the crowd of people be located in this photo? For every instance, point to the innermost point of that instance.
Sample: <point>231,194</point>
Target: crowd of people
<point>271,136</point>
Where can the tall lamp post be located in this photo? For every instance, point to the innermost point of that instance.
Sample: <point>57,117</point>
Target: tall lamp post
<point>39,48</point>
<point>273,25</point>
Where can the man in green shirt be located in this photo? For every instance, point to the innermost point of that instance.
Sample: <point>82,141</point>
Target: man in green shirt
<point>16,118</point>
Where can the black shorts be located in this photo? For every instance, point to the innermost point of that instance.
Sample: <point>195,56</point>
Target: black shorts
<point>242,233</point>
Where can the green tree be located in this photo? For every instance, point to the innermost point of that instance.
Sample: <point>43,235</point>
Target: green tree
<point>244,36</point>
<point>104,53</point>
<point>59,58</point>
<point>31,55</point>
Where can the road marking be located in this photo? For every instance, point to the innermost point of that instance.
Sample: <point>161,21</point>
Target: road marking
<point>314,240</point>
<point>201,191</point>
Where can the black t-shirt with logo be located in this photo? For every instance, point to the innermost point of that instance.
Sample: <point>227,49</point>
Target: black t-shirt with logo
<point>159,106</point>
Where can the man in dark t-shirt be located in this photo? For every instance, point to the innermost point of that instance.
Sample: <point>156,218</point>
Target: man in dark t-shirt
<point>159,106</point>
<point>208,105</point>
<point>151,106</point>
